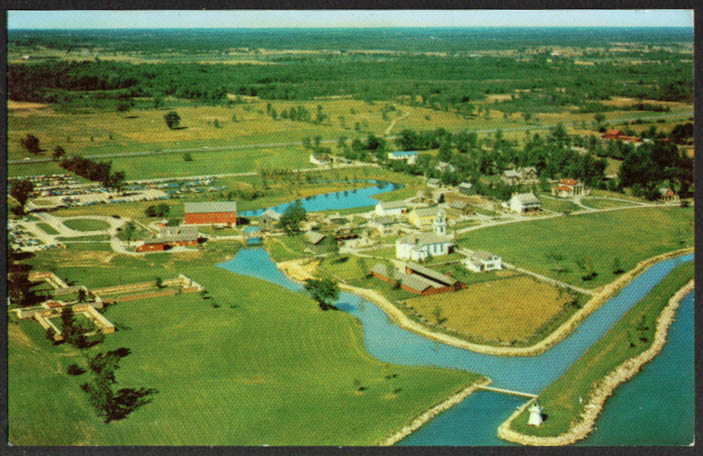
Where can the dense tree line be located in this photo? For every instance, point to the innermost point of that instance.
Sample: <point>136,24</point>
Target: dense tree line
<point>448,83</point>
<point>94,171</point>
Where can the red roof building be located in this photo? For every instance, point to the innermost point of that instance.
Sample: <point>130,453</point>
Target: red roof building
<point>215,212</point>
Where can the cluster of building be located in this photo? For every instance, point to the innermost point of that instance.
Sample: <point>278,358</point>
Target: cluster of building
<point>525,175</point>
<point>169,237</point>
<point>617,135</point>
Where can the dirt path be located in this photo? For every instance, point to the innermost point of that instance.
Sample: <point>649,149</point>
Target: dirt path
<point>392,124</point>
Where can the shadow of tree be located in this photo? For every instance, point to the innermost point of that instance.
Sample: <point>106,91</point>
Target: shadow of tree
<point>128,400</point>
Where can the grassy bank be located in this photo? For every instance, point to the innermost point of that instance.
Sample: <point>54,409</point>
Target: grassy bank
<point>265,367</point>
<point>630,336</point>
<point>552,247</point>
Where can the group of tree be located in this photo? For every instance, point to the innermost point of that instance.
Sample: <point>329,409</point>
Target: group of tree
<point>19,287</point>
<point>324,291</point>
<point>94,171</point>
<point>31,144</point>
<point>21,190</point>
<point>645,167</point>
<point>158,210</point>
<point>172,119</point>
<point>75,333</point>
<point>292,217</point>
<point>111,404</point>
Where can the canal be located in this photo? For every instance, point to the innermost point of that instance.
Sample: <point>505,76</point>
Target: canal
<point>474,421</point>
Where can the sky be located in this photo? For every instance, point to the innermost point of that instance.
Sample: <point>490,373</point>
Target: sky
<point>346,18</point>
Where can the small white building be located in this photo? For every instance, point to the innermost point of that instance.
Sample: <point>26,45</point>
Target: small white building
<point>524,202</point>
<point>445,167</point>
<point>535,415</point>
<point>409,156</point>
<point>391,208</point>
<point>433,183</point>
<point>319,159</point>
<point>481,261</point>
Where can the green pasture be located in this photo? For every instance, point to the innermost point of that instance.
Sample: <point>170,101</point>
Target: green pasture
<point>558,205</point>
<point>560,400</point>
<point>253,371</point>
<point>552,247</point>
<point>86,224</point>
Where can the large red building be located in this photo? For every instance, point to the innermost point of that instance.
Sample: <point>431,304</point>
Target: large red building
<point>211,212</point>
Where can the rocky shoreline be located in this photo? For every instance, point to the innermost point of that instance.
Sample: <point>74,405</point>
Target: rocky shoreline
<point>448,403</point>
<point>556,336</point>
<point>604,387</point>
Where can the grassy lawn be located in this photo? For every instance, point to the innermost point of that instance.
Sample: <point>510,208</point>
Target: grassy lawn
<point>276,371</point>
<point>97,265</point>
<point>599,203</point>
<point>552,247</point>
<point>284,248</point>
<point>558,205</point>
<point>347,267</point>
<point>48,229</point>
<point>512,310</point>
<point>96,237</point>
<point>87,225</point>
<point>560,399</point>
<point>385,288</point>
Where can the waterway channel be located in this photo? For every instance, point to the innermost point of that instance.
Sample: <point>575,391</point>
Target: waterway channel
<point>475,420</point>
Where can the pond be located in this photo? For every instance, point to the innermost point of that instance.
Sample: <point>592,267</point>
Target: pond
<point>389,343</point>
<point>346,199</point>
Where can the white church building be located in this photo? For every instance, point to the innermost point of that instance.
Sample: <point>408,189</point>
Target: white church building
<point>419,246</point>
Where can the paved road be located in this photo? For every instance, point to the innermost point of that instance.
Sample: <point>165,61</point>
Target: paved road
<point>326,141</point>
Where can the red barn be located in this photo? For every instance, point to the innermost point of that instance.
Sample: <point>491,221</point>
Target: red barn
<point>211,212</point>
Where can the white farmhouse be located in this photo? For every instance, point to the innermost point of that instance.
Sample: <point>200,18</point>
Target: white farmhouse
<point>391,208</point>
<point>524,202</point>
<point>481,261</point>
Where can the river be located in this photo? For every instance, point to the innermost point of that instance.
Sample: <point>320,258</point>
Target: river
<point>474,421</point>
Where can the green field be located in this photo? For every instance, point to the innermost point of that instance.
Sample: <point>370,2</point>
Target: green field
<point>550,246</point>
<point>560,399</point>
<point>252,372</point>
<point>48,229</point>
<point>599,203</point>
<point>558,205</point>
<point>87,224</point>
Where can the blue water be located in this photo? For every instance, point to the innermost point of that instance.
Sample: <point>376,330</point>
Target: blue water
<point>389,343</point>
<point>346,199</point>
<point>656,406</point>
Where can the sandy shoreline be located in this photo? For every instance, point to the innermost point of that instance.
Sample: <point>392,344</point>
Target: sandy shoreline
<point>604,387</point>
<point>607,292</point>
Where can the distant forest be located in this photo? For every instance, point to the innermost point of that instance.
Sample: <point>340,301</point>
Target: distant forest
<point>401,39</point>
<point>442,82</point>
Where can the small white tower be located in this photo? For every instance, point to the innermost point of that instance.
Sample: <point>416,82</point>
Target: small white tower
<point>535,415</point>
<point>440,223</point>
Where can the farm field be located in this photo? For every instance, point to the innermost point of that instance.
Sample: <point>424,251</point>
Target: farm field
<point>558,205</point>
<point>561,397</point>
<point>547,246</point>
<point>504,311</point>
<point>260,369</point>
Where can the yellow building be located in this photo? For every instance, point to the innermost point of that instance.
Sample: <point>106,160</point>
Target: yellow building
<point>423,216</point>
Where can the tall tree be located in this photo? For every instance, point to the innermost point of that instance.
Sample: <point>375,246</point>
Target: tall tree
<point>172,119</point>
<point>324,291</point>
<point>20,191</point>
<point>58,152</point>
<point>31,144</point>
